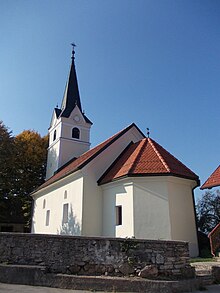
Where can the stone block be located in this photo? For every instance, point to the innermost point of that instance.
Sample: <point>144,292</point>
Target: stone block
<point>73,269</point>
<point>148,272</point>
<point>126,269</point>
<point>216,273</point>
<point>159,259</point>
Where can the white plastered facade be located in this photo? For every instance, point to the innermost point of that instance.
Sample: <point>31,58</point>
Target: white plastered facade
<point>63,147</point>
<point>88,211</point>
<point>153,207</point>
<point>159,208</point>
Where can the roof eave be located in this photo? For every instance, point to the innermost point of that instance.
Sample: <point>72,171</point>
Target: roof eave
<point>152,175</point>
<point>207,186</point>
<point>41,188</point>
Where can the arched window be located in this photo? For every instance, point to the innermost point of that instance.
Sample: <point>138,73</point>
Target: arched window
<point>54,134</point>
<point>44,203</point>
<point>75,133</point>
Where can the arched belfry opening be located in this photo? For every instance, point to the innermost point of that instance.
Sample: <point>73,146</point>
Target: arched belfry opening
<point>75,133</point>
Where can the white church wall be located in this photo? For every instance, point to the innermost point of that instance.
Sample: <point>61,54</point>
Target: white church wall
<point>73,147</point>
<point>68,150</point>
<point>118,195</point>
<point>92,201</point>
<point>182,215</point>
<point>52,159</point>
<point>151,208</point>
<point>84,131</point>
<point>92,206</point>
<point>66,191</point>
<point>159,208</point>
<point>53,149</point>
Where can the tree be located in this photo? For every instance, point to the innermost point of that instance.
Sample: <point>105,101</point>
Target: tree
<point>22,169</point>
<point>208,211</point>
<point>9,205</point>
<point>31,153</point>
<point>6,161</point>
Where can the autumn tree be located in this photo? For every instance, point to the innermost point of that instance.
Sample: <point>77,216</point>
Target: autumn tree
<point>22,170</point>
<point>208,211</point>
<point>31,152</point>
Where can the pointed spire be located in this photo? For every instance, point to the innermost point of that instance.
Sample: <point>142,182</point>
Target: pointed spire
<point>71,95</point>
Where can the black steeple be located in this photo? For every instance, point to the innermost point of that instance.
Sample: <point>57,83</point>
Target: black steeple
<point>71,95</point>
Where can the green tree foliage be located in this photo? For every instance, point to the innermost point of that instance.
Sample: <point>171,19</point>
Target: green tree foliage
<point>6,161</point>
<point>22,170</point>
<point>208,211</point>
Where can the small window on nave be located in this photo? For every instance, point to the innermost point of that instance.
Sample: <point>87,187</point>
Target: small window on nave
<point>75,132</point>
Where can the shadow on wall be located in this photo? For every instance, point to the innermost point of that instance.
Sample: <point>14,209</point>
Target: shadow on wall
<point>52,163</point>
<point>71,227</point>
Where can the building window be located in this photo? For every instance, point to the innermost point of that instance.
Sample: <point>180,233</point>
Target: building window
<point>118,214</point>
<point>47,217</point>
<point>44,203</point>
<point>65,194</point>
<point>75,132</point>
<point>54,135</point>
<point>65,213</point>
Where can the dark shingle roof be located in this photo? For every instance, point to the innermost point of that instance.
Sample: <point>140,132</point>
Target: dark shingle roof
<point>71,96</point>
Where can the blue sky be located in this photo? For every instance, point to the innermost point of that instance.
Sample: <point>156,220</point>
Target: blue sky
<point>152,62</point>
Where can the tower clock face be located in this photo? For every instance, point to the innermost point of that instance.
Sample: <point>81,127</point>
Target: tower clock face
<point>76,118</point>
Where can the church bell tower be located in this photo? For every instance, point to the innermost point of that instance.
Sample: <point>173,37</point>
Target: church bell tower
<point>69,131</point>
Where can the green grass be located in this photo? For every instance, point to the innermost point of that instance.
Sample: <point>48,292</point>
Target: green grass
<point>201,259</point>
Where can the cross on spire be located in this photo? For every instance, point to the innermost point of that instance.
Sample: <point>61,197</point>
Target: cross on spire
<point>73,50</point>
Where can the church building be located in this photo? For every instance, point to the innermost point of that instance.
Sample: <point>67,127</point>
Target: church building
<point>127,186</point>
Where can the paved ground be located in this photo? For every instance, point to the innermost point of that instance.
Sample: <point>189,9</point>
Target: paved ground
<point>211,289</point>
<point>9,288</point>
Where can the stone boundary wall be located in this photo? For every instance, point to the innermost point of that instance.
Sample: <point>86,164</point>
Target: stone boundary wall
<point>95,255</point>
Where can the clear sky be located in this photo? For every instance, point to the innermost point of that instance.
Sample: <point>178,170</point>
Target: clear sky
<point>152,62</point>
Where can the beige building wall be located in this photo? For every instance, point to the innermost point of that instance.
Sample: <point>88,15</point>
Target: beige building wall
<point>151,208</point>
<point>182,214</point>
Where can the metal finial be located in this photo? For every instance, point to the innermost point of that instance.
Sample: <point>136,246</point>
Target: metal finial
<point>148,132</point>
<point>73,50</point>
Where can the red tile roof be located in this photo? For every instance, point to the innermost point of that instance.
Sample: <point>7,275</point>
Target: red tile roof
<point>84,159</point>
<point>213,180</point>
<point>146,158</point>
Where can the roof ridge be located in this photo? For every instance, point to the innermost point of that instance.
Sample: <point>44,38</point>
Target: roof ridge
<point>115,161</point>
<point>141,145</point>
<point>81,161</point>
<point>159,155</point>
